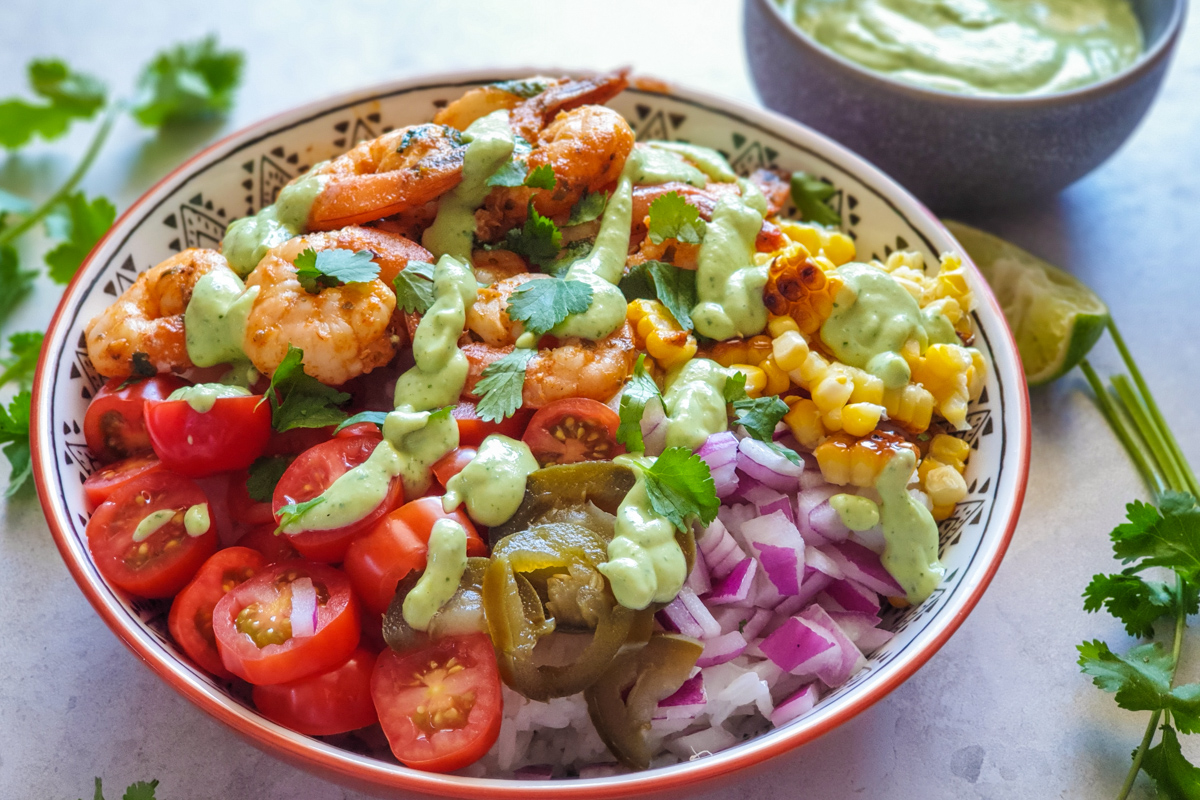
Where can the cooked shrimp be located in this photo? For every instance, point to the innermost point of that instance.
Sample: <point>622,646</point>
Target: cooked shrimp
<point>391,251</point>
<point>400,170</point>
<point>488,317</point>
<point>483,100</point>
<point>534,114</point>
<point>770,237</point>
<point>493,266</point>
<point>148,317</point>
<point>344,331</point>
<point>575,368</point>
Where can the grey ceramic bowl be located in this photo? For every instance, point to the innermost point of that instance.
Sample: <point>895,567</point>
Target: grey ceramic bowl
<point>955,151</point>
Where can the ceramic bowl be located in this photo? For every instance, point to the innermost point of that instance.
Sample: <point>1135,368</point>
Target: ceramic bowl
<point>954,151</point>
<point>237,176</point>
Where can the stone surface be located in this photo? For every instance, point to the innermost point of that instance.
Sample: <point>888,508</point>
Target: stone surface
<point>1000,712</point>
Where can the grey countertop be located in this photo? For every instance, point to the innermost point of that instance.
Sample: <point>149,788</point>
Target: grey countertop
<point>1000,712</point>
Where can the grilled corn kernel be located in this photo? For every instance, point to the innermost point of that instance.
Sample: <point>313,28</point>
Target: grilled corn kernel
<point>777,325</point>
<point>867,387</point>
<point>951,281</point>
<point>640,308</point>
<point>858,462</point>
<point>859,419</point>
<point>657,332</point>
<point>950,450</point>
<point>670,348</point>
<point>778,381</point>
<point>910,406</point>
<point>804,421</point>
<point>729,353</point>
<point>832,420</point>
<point>790,349</point>
<point>977,376</point>
<point>812,370</point>
<point>839,248</point>
<point>833,391</point>
<point>945,486</point>
<point>943,370</point>
<point>756,379</point>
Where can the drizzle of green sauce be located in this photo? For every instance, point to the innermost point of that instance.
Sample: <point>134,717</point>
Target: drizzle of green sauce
<point>441,367</point>
<point>695,403</point>
<point>490,144</point>
<point>645,563</point>
<point>151,523</point>
<point>215,320</point>
<point>202,396</point>
<point>196,520</point>
<point>707,160</point>
<point>728,284</point>
<point>656,165</point>
<point>354,494</point>
<point>443,570</point>
<point>492,483</point>
<point>911,551</point>
<point>248,239</point>
<point>419,439</point>
<point>856,513</point>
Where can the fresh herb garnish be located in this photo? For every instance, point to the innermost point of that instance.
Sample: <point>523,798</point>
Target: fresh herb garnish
<point>525,89</point>
<point>68,96</point>
<point>15,283</point>
<point>540,305</point>
<point>264,474</point>
<point>294,511</point>
<point>21,361</point>
<point>640,390</point>
<point>414,287</point>
<point>501,385</point>
<point>539,239</point>
<point>334,267</point>
<point>141,366</point>
<point>758,415</point>
<point>14,435</point>
<point>299,400</point>
<point>580,248</point>
<point>680,487</point>
<point>541,177</point>
<point>675,288</point>
<point>589,207</point>
<point>511,173</point>
<point>191,81</point>
<point>377,417</point>
<point>673,217</point>
<point>811,197</point>
<point>142,790</point>
<point>80,224</point>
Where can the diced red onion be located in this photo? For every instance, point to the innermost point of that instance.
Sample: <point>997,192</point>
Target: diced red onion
<point>719,451</point>
<point>735,587</point>
<point>847,595</point>
<point>687,703</point>
<point>798,704</point>
<point>872,639</point>
<point>777,544</point>
<point>721,649</point>
<point>767,466</point>
<point>812,479</point>
<point>754,626</point>
<point>819,560</point>
<point>734,516</point>
<point>852,659</point>
<point>721,551</point>
<point>801,647</point>
<point>826,521</point>
<point>732,618</point>
<point>654,427</point>
<point>863,629</point>
<point>698,580</point>
<point>814,583</point>
<point>806,501</point>
<point>675,617</point>
<point>863,565</point>
<point>534,772</point>
<point>709,626</point>
<point>304,607</point>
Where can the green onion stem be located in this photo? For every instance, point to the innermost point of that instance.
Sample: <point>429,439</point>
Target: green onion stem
<point>1149,431</point>
<point>1121,429</point>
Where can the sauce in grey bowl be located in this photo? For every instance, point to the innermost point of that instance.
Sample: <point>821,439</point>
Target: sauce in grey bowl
<point>956,151</point>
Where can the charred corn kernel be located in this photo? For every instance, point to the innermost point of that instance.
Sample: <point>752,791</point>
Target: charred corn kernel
<point>807,236</point>
<point>940,513</point>
<point>670,348</point>
<point>833,391</point>
<point>798,286</point>
<point>867,387</point>
<point>928,463</point>
<point>729,353</point>
<point>950,450</point>
<point>943,371</point>
<point>804,421</point>
<point>790,349</point>
<point>909,259</point>
<point>778,381</point>
<point>777,325</point>
<point>638,309</point>
<point>844,459</point>
<point>756,379</point>
<point>657,332</point>
<point>859,419</point>
<point>945,486</point>
<point>835,245</point>
<point>812,370</point>
<point>910,406</point>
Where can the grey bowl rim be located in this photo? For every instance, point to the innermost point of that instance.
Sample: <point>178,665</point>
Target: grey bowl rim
<point>1147,61</point>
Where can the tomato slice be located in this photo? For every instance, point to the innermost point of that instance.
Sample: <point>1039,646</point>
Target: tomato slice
<point>114,425</point>
<point>572,430</point>
<point>312,473</point>
<point>472,430</point>
<point>273,547</point>
<point>253,629</point>
<point>228,436</point>
<point>397,545</point>
<point>440,706</point>
<point>106,480</point>
<point>332,702</point>
<point>190,620</point>
<point>161,563</point>
<point>358,429</point>
<point>452,463</point>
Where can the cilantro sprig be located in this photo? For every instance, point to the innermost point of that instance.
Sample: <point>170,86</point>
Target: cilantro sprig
<point>673,217</point>
<point>640,390</point>
<point>334,267</point>
<point>299,400</point>
<point>680,487</point>
<point>540,305</point>
<point>589,207</point>
<point>14,435</point>
<point>675,288</point>
<point>758,415</point>
<point>414,287</point>
<point>292,512</point>
<point>502,384</point>
<point>141,790</point>
<point>539,239</point>
<point>811,196</point>
<point>264,475</point>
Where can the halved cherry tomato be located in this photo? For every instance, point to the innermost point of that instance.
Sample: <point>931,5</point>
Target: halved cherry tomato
<point>106,480</point>
<point>336,701</point>
<point>439,706</point>
<point>312,473</point>
<point>191,615</point>
<point>114,426</point>
<point>253,628</point>
<point>159,564</point>
<point>228,436</point>
<point>242,507</point>
<point>274,547</point>
<point>296,440</point>
<point>472,430</point>
<point>358,429</point>
<point>452,463</point>
<point>572,430</point>
<point>378,561</point>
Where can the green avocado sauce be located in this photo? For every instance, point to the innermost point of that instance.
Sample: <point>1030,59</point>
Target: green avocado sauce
<point>353,495</point>
<point>248,239</point>
<point>202,396</point>
<point>978,47</point>
<point>490,144</point>
<point>419,438</point>
<point>645,563</point>
<point>441,367</point>
<point>695,403</point>
<point>444,567</point>
<point>492,483</point>
<point>655,165</point>
<point>910,554</point>
<point>856,513</point>
<point>196,520</point>
<point>728,284</point>
<point>214,323</point>
<point>873,317</point>
<point>709,161</point>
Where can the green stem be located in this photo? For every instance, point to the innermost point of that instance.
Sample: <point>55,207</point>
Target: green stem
<point>1172,443</point>
<point>1138,755</point>
<point>1149,474</point>
<point>1150,434</point>
<point>73,180</point>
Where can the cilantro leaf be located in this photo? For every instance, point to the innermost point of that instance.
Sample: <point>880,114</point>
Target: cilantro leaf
<point>1165,537</point>
<point>580,248</point>
<point>190,81</point>
<point>15,283</point>
<point>541,177</point>
<point>759,416</point>
<point>735,386</point>
<point>788,453</point>
<point>265,473</point>
<point>414,287</point>
<point>511,173</point>
<point>680,487</point>
<point>141,791</point>
<point>1141,681</point>
<point>14,435</point>
<point>363,416</point>
<point>334,267</point>
<point>23,351</point>
<point>501,385</point>
<point>526,88</point>
<point>299,400</point>
<point>589,207</point>
<point>540,305</point>
<point>640,390</point>
<point>1173,774</point>
<point>673,217</point>
<point>81,224</point>
<point>70,95</point>
<point>294,511</point>
<point>811,197</point>
<point>539,239</point>
<point>675,288</point>
<point>1137,602</point>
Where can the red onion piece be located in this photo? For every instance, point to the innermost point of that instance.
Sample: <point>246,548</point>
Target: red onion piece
<point>677,618</point>
<point>735,587</point>
<point>709,626</point>
<point>827,523</point>
<point>534,772</point>
<point>806,501</point>
<point>721,649</point>
<point>721,551</point>
<point>687,703</point>
<point>719,451</point>
<point>863,565</point>
<point>304,607</point>
<point>798,704</point>
<point>755,625</point>
<point>846,595</point>
<point>767,466</point>
<point>801,647</point>
<point>863,629</point>
<point>698,581</point>
<point>601,770</point>
<point>779,548</point>
<point>852,659</point>
<point>654,427</point>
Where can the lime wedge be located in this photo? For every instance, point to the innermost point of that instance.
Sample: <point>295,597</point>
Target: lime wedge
<point>1054,317</point>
